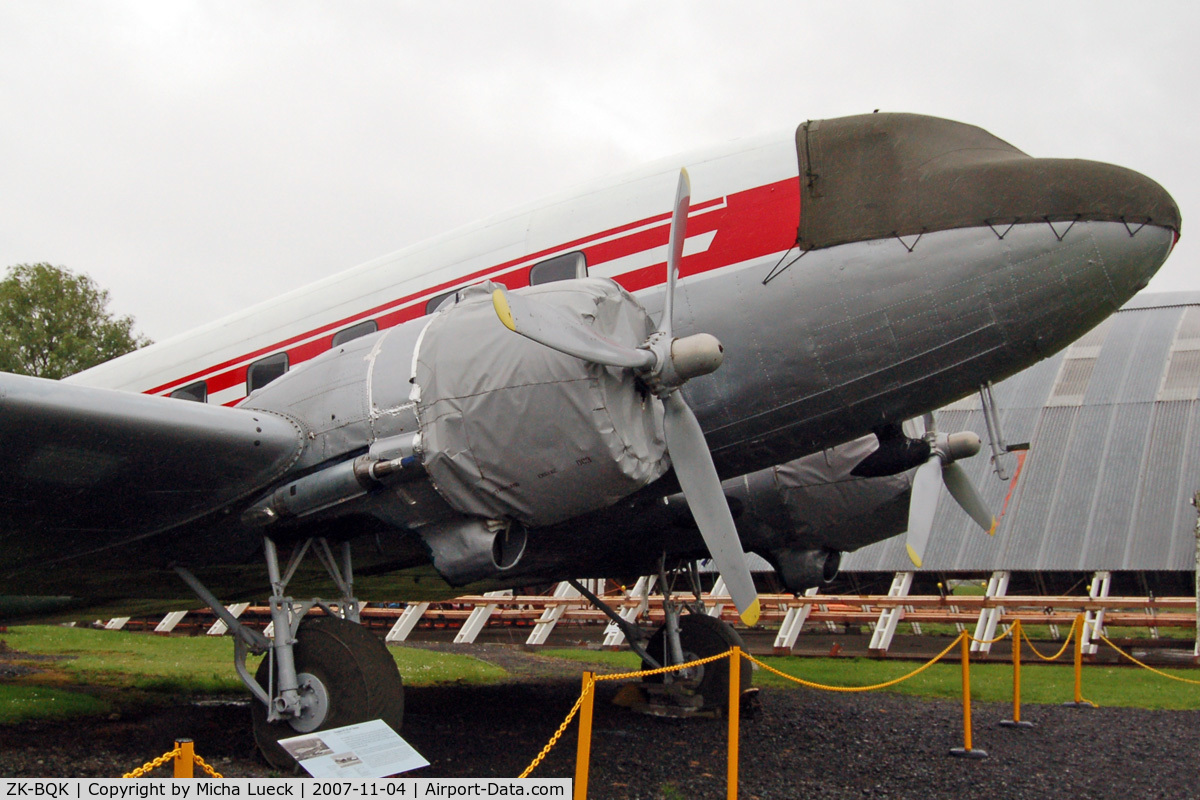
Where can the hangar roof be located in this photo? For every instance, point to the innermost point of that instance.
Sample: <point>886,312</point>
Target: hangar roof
<point>1114,456</point>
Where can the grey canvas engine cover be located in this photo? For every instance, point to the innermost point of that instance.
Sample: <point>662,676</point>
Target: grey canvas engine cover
<point>513,430</point>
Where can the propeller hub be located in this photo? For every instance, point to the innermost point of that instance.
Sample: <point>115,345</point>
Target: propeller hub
<point>946,450</point>
<point>696,355</point>
<point>963,444</point>
<point>677,361</point>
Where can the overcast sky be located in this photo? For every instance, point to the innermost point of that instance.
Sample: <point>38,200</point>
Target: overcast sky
<point>195,158</point>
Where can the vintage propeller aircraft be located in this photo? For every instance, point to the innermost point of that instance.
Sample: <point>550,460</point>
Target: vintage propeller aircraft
<point>558,392</point>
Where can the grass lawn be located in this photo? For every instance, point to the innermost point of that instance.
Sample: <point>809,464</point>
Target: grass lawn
<point>19,703</point>
<point>97,671</point>
<point>121,659</point>
<point>145,668</point>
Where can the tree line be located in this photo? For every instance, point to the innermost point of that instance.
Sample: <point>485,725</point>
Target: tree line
<point>55,322</point>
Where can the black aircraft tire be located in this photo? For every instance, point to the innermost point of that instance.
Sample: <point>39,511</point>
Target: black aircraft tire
<point>702,636</point>
<point>357,671</point>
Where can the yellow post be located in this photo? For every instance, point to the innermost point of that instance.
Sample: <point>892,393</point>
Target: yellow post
<point>735,707</point>
<point>1016,722</point>
<point>966,751</point>
<point>185,758</point>
<point>1077,632</point>
<point>966,691</point>
<point>1016,656</point>
<point>583,752</point>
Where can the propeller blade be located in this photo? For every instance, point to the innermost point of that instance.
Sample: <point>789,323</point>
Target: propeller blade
<point>967,496</point>
<point>558,330</point>
<point>925,488</point>
<point>683,199</point>
<point>702,488</point>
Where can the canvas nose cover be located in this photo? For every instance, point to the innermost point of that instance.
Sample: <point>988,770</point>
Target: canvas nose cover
<point>874,176</point>
<point>514,430</point>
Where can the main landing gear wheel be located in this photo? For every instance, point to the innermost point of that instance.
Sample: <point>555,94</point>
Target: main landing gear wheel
<point>346,676</point>
<point>702,636</point>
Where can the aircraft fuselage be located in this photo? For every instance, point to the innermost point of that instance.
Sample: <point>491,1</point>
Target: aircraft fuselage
<point>858,272</point>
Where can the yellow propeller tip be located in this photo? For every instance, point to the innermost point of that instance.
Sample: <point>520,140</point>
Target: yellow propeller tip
<point>995,524</point>
<point>750,615</point>
<point>503,311</point>
<point>912,555</point>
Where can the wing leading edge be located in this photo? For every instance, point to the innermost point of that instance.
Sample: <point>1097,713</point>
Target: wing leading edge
<point>84,469</point>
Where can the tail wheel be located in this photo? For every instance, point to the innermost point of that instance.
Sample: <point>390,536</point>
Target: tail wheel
<point>702,636</point>
<point>347,676</point>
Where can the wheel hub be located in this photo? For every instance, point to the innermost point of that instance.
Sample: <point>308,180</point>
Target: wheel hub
<point>691,676</point>
<point>314,704</point>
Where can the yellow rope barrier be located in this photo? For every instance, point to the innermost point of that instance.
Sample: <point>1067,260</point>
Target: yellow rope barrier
<point>963,638</point>
<point>884,685</point>
<point>1057,655</point>
<point>590,687</point>
<point>1147,666</point>
<point>999,638</point>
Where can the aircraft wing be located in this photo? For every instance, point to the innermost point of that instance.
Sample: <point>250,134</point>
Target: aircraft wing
<point>82,469</point>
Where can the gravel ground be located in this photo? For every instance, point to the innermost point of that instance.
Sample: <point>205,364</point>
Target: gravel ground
<point>801,743</point>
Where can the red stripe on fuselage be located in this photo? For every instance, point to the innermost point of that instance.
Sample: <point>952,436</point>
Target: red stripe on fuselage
<point>752,223</point>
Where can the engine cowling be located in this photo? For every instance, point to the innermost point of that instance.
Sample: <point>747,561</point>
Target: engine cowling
<point>513,430</point>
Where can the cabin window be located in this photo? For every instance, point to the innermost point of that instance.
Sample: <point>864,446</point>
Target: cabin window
<point>436,301</point>
<point>354,331</point>
<point>196,392</point>
<point>560,268</point>
<point>265,370</point>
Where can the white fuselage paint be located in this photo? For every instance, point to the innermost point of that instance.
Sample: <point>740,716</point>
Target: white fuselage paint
<point>398,286</point>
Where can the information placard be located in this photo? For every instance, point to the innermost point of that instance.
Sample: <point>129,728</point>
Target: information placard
<point>364,750</point>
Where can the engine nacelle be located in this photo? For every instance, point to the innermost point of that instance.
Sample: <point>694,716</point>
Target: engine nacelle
<point>513,430</point>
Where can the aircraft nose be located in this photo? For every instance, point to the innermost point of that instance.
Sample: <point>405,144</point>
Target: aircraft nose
<point>1063,192</point>
<point>875,176</point>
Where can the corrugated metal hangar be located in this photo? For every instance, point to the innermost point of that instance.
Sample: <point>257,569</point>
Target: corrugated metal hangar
<point>1113,460</point>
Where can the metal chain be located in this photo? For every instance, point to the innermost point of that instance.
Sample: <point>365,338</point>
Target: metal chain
<point>150,766</point>
<point>561,729</point>
<point>647,672</point>
<point>591,687</point>
<point>202,764</point>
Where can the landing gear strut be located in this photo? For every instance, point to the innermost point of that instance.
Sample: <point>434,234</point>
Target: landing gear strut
<point>701,636</point>
<point>683,637</point>
<point>320,672</point>
<point>691,636</point>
